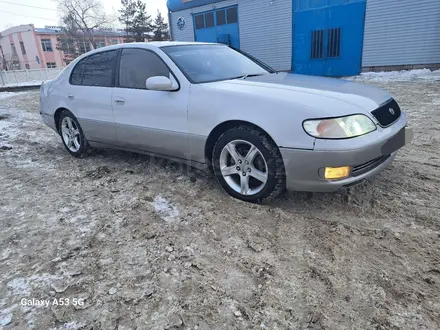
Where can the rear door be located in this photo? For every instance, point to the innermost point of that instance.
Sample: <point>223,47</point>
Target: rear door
<point>90,96</point>
<point>149,120</point>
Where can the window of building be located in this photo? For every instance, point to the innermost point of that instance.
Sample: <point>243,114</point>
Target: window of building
<point>84,46</point>
<point>221,17</point>
<point>14,50</point>
<point>68,46</point>
<point>137,66</point>
<point>209,18</point>
<point>232,15</point>
<point>115,41</point>
<point>23,49</point>
<point>27,66</point>
<point>200,21</point>
<point>100,43</point>
<point>47,45</point>
<point>99,69</point>
<point>51,65</point>
<point>317,43</point>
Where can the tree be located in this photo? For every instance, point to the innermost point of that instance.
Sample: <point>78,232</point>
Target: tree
<point>134,16</point>
<point>160,28</point>
<point>82,18</point>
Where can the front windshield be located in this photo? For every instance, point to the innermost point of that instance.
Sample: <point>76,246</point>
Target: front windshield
<point>206,63</point>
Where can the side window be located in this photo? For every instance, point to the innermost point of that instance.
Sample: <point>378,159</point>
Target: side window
<point>200,21</point>
<point>232,15</point>
<point>137,65</point>
<point>99,69</point>
<point>77,72</point>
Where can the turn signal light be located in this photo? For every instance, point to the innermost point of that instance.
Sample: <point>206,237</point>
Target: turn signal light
<point>334,173</point>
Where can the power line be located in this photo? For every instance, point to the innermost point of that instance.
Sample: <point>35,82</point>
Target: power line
<point>8,12</point>
<point>19,4</point>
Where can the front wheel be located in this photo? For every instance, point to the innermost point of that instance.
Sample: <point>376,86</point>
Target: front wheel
<point>248,165</point>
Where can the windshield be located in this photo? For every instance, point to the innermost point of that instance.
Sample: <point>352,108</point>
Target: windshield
<point>207,63</point>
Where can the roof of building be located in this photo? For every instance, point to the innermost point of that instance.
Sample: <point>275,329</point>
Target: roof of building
<point>96,33</point>
<point>177,5</point>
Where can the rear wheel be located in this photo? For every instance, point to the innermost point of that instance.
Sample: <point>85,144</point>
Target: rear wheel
<point>248,165</point>
<point>72,135</point>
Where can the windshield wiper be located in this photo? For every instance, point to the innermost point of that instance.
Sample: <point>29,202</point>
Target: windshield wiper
<point>247,75</point>
<point>250,75</point>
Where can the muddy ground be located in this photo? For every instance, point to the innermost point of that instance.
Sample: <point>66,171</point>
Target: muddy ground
<point>147,245</point>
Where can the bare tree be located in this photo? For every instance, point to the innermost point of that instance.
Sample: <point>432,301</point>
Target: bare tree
<point>82,18</point>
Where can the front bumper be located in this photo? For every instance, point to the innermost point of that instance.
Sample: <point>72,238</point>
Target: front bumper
<point>368,155</point>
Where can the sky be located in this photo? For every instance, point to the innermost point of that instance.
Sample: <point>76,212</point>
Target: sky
<point>17,12</point>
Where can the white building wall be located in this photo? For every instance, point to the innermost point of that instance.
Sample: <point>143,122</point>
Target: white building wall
<point>31,44</point>
<point>265,29</point>
<point>401,32</point>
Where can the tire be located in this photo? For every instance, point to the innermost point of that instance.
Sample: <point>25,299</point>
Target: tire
<point>68,127</point>
<point>257,161</point>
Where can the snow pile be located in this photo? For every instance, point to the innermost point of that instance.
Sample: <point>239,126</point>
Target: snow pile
<point>24,84</point>
<point>5,95</point>
<point>404,75</point>
<point>166,210</point>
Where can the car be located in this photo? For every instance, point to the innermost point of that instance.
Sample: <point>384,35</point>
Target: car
<point>260,131</point>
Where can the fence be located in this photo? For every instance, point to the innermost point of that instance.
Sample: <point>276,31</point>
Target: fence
<point>27,77</point>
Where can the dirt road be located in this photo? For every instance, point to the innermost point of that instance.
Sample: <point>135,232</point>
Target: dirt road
<point>136,244</point>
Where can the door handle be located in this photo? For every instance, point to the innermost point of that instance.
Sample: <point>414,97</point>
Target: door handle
<point>120,102</point>
<point>70,97</point>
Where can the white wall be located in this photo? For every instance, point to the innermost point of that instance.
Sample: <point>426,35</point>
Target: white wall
<point>265,29</point>
<point>27,77</point>
<point>401,32</point>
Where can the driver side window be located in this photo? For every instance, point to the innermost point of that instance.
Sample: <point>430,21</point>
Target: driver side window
<point>137,65</point>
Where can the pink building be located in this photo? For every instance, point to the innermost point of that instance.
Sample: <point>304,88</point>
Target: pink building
<point>26,47</point>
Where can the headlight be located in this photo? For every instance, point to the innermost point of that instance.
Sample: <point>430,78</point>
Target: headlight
<point>339,128</point>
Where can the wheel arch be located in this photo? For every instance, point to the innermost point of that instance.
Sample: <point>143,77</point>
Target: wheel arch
<point>223,127</point>
<point>57,115</point>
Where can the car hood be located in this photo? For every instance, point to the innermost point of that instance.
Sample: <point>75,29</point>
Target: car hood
<point>335,97</point>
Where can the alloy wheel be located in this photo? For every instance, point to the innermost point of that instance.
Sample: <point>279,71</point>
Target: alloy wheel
<point>70,134</point>
<point>243,167</point>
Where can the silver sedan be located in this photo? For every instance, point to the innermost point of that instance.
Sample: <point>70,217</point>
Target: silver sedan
<point>258,130</point>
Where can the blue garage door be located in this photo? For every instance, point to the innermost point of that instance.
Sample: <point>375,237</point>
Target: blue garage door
<point>219,25</point>
<point>328,37</point>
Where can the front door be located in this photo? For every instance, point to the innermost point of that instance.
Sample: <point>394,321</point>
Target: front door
<point>154,121</point>
<point>220,25</point>
<point>328,40</point>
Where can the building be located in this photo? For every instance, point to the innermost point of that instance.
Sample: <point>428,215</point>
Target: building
<point>319,37</point>
<point>26,47</point>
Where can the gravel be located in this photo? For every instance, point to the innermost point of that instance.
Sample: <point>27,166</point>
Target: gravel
<point>145,246</point>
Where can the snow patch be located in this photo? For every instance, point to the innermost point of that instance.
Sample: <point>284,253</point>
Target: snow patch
<point>166,210</point>
<point>25,84</point>
<point>5,95</point>
<point>22,286</point>
<point>73,325</point>
<point>404,75</point>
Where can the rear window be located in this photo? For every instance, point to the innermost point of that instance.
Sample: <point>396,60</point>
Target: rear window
<point>95,70</point>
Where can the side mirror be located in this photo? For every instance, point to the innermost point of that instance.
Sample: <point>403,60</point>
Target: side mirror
<point>160,83</point>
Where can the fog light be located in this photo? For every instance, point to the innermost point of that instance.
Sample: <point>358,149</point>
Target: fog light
<point>333,173</point>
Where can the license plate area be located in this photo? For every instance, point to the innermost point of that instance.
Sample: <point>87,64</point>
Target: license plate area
<point>403,137</point>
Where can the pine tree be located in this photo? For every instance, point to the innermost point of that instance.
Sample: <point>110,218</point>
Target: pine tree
<point>136,20</point>
<point>160,28</point>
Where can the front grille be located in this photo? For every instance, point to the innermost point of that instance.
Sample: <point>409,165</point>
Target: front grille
<point>368,166</point>
<point>387,113</point>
